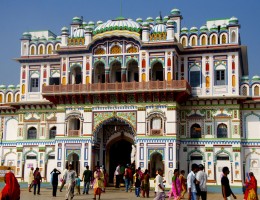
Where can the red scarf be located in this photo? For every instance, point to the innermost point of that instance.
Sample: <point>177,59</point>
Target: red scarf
<point>12,187</point>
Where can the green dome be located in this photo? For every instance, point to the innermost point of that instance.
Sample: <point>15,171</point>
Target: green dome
<point>233,20</point>
<point>145,24</point>
<point>35,39</point>
<point>11,87</point>
<point>170,22</point>
<point>149,19</point>
<point>26,35</point>
<point>58,38</point>
<point>166,18</point>
<point>213,28</point>
<point>193,29</point>
<point>84,24</point>
<point>175,11</point>
<point>204,29</point>
<point>223,27</point>
<point>99,22</point>
<point>139,20</point>
<point>88,28</point>
<point>42,39</point>
<point>51,38</point>
<point>184,30</point>
<point>18,86</point>
<point>91,23</point>
<point>2,87</point>
<point>76,20</point>
<point>64,29</point>
<point>256,78</point>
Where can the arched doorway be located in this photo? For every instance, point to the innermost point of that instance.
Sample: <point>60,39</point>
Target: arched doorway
<point>118,152</point>
<point>74,127</point>
<point>76,75</point>
<point>99,73</point>
<point>132,71</point>
<point>74,160</point>
<point>156,162</point>
<point>116,72</point>
<point>157,72</point>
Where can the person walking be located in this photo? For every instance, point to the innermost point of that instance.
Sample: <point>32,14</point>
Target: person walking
<point>37,181</point>
<point>117,174</point>
<point>70,177</point>
<point>176,186</point>
<point>63,181</point>
<point>251,188</point>
<point>201,181</point>
<point>128,176</point>
<point>30,181</point>
<point>191,182</point>
<point>77,184</point>
<point>183,183</point>
<point>98,183</point>
<point>159,187</point>
<point>55,180</point>
<point>145,184</point>
<point>87,178</point>
<point>226,190</point>
<point>11,190</point>
<point>137,185</point>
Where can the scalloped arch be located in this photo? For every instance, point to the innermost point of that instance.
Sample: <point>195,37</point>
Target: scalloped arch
<point>223,151</point>
<point>33,151</point>
<point>196,151</point>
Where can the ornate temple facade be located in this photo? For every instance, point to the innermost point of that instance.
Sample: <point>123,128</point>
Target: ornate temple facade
<point>145,91</point>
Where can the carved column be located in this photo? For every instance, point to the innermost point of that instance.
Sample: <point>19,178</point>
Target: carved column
<point>107,72</point>
<point>123,74</point>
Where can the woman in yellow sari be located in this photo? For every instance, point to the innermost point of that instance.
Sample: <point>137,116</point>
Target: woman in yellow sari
<point>251,188</point>
<point>98,183</point>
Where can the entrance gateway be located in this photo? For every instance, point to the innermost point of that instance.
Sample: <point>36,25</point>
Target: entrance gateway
<point>113,144</point>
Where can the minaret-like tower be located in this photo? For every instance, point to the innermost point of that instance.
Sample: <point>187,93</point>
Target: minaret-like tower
<point>25,41</point>
<point>64,36</point>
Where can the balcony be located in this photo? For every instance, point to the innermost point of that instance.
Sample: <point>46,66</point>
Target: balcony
<point>112,88</point>
<point>73,133</point>
<point>156,132</point>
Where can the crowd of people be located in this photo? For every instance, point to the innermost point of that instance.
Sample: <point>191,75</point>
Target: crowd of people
<point>128,177</point>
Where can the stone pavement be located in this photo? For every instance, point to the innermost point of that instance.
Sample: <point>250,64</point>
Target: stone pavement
<point>111,194</point>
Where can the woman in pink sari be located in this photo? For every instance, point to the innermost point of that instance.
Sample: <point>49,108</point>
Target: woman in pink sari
<point>175,191</point>
<point>251,188</point>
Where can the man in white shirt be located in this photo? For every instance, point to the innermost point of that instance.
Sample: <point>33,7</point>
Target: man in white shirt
<point>191,183</point>
<point>70,177</point>
<point>117,174</point>
<point>202,178</point>
<point>159,187</point>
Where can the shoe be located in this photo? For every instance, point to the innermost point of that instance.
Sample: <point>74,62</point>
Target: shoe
<point>60,190</point>
<point>83,193</point>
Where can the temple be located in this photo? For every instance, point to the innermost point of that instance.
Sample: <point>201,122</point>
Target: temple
<point>146,91</point>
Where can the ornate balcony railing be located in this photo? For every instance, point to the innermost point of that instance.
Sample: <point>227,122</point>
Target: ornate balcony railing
<point>124,87</point>
<point>73,133</point>
<point>156,132</point>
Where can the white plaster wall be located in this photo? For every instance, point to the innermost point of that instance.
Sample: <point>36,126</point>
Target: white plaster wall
<point>11,129</point>
<point>87,125</point>
<point>60,124</point>
<point>252,127</point>
<point>141,122</point>
<point>171,122</point>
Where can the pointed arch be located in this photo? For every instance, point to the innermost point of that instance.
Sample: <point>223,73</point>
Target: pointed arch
<point>196,151</point>
<point>223,151</point>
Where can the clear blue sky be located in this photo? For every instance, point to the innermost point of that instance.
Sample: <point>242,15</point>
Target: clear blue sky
<point>18,16</point>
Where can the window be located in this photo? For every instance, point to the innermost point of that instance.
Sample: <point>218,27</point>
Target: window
<point>156,123</point>
<point>214,40</point>
<point>220,157</point>
<point>32,133</point>
<point>183,42</point>
<point>30,157</point>
<point>223,39</point>
<point>32,50</point>
<point>195,131</point>
<point>41,50</point>
<point>53,133</point>
<point>193,41</point>
<point>220,77</point>
<point>244,91</point>
<point>222,131</point>
<point>34,85</point>
<point>203,40</point>
<point>54,81</point>
<point>233,37</point>
<point>256,91</point>
<point>196,158</point>
<point>195,77</point>
<point>50,49</point>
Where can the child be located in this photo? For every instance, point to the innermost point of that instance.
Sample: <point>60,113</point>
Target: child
<point>77,184</point>
<point>137,185</point>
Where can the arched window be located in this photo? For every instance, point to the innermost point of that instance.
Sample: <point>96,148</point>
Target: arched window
<point>53,132</point>
<point>115,50</point>
<point>41,50</point>
<point>220,75</point>
<point>256,90</point>
<point>244,90</point>
<point>99,51</point>
<point>195,131</point>
<point>214,40</point>
<point>223,39</point>
<point>17,98</point>
<point>183,42</point>
<point>32,50</point>
<point>195,76</point>
<point>222,131</point>
<point>1,98</point>
<point>49,49</point>
<point>233,37</point>
<point>193,41</point>
<point>57,46</point>
<point>156,123</point>
<point>203,40</point>
<point>9,98</point>
<point>32,133</point>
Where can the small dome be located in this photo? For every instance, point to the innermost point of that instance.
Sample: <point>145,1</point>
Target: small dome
<point>11,87</point>
<point>214,28</point>
<point>26,35</point>
<point>166,18</point>
<point>193,29</point>
<point>58,37</point>
<point>223,27</point>
<point>204,29</point>
<point>78,33</point>
<point>118,24</point>
<point>18,86</point>
<point>64,29</point>
<point>175,11</point>
<point>145,24</point>
<point>51,38</point>
<point>99,22</point>
<point>35,39</point>
<point>149,19</point>
<point>84,24</point>
<point>88,28</point>
<point>184,30</point>
<point>256,78</point>
<point>76,20</point>
<point>2,87</point>
<point>170,22</point>
<point>233,20</point>
<point>42,39</point>
<point>139,20</point>
<point>91,23</point>
<point>159,28</point>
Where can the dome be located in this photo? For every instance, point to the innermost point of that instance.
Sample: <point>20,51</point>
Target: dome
<point>64,29</point>
<point>166,18</point>
<point>204,29</point>
<point>213,28</point>
<point>91,23</point>
<point>184,30</point>
<point>99,22</point>
<point>233,20</point>
<point>139,20</point>
<point>51,38</point>
<point>256,78</point>
<point>119,24</point>
<point>2,87</point>
<point>193,29</point>
<point>149,19</point>
<point>35,39</point>
<point>58,38</point>
<point>223,27</point>
<point>76,20</point>
<point>170,22</point>
<point>88,28</point>
<point>18,86</point>
<point>42,39</point>
<point>78,33</point>
<point>175,11</point>
<point>145,24</point>
<point>159,28</point>
<point>11,87</point>
<point>84,24</point>
<point>27,35</point>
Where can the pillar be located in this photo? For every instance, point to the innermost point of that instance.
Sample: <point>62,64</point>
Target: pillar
<point>123,74</point>
<point>107,72</point>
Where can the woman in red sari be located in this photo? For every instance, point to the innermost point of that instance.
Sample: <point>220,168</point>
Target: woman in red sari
<point>251,188</point>
<point>11,190</point>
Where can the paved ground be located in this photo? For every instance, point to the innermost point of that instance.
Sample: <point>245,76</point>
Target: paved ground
<point>111,194</point>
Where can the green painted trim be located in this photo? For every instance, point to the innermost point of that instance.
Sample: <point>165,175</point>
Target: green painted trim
<point>218,19</point>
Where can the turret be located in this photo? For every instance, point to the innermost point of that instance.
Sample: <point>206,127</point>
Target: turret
<point>170,30</point>
<point>145,32</point>
<point>25,41</point>
<point>88,35</point>
<point>176,17</point>
<point>76,23</point>
<point>233,29</point>
<point>64,36</point>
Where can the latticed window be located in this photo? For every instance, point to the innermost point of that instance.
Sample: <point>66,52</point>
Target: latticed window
<point>115,50</point>
<point>224,39</point>
<point>132,50</point>
<point>32,133</point>
<point>222,131</point>
<point>100,51</point>
<point>244,91</point>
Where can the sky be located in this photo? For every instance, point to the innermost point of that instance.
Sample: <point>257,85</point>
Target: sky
<point>18,16</point>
